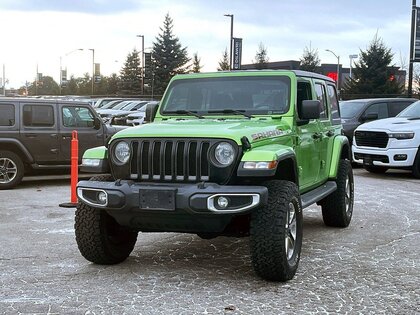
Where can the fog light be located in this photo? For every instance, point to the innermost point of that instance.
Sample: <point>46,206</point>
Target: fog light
<point>222,202</point>
<point>400,157</point>
<point>102,197</point>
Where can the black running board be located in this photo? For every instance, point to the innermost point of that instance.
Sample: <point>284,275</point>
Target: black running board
<point>318,193</point>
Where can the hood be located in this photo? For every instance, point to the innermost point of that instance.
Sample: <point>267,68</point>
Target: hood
<point>234,129</point>
<point>392,124</point>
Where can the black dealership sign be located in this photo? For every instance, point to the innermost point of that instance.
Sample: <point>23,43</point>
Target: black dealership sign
<point>237,53</point>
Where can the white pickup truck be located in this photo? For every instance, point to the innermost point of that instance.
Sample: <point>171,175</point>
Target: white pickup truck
<point>390,143</point>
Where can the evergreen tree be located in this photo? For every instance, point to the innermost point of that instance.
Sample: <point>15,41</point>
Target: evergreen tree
<point>84,85</point>
<point>196,68</point>
<point>169,57</point>
<point>224,63</point>
<point>130,75</point>
<point>72,87</point>
<point>113,82</point>
<point>373,74</point>
<point>261,58</point>
<point>310,60</point>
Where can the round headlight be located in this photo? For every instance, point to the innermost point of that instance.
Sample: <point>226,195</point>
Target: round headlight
<point>122,152</point>
<point>224,153</point>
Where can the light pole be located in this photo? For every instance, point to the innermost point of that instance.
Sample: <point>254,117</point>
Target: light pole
<point>337,83</point>
<point>61,68</point>
<point>351,61</point>
<point>231,38</point>
<point>93,70</point>
<point>142,64</point>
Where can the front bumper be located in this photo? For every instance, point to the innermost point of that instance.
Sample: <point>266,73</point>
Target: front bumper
<point>397,157</point>
<point>152,207</point>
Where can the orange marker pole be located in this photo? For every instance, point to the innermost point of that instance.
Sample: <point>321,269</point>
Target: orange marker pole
<point>74,165</point>
<point>74,174</point>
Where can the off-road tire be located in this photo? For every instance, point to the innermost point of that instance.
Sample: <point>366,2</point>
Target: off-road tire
<point>337,208</point>
<point>11,169</point>
<point>416,165</point>
<point>270,232</point>
<point>99,237</point>
<point>375,169</point>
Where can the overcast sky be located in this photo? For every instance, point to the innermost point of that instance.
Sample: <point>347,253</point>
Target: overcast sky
<point>41,32</point>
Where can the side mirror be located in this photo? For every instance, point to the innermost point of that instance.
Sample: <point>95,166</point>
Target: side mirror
<point>151,110</point>
<point>310,110</point>
<point>370,116</point>
<point>97,123</point>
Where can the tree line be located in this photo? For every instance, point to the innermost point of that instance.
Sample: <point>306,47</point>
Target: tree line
<point>372,72</point>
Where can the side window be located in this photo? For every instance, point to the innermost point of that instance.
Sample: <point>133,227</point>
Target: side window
<point>38,115</point>
<point>332,96</point>
<point>396,107</point>
<point>303,93</point>
<point>7,115</point>
<point>380,109</point>
<point>321,96</point>
<point>77,117</point>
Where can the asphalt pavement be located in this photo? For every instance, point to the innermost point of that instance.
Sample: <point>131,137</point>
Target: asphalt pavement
<point>371,267</point>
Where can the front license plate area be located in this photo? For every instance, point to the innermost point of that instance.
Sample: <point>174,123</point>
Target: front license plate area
<point>157,198</point>
<point>367,161</point>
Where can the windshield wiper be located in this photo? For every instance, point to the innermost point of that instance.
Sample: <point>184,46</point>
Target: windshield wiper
<point>413,118</point>
<point>184,112</point>
<point>231,111</point>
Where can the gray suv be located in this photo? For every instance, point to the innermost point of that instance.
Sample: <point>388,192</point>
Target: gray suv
<point>356,112</point>
<point>35,134</point>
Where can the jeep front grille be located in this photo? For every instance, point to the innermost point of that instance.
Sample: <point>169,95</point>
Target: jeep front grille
<point>371,139</point>
<point>174,160</point>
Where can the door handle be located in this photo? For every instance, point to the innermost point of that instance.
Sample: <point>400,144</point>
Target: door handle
<point>53,135</point>
<point>30,135</point>
<point>329,133</point>
<point>66,137</point>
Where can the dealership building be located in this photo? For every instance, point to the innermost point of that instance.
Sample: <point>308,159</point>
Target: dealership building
<point>328,69</point>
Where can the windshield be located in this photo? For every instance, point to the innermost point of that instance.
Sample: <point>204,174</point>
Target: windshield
<point>411,111</point>
<point>350,109</point>
<point>252,95</point>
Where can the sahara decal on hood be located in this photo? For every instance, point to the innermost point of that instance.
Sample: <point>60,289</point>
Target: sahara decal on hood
<point>266,134</point>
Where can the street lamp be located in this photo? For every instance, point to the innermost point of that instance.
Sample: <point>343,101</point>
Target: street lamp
<point>231,38</point>
<point>142,64</point>
<point>351,61</point>
<point>93,70</point>
<point>337,83</point>
<point>61,68</point>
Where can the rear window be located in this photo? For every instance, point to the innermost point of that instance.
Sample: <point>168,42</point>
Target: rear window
<point>38,116</point>
<point>7,115</point>
<point>396,107</point>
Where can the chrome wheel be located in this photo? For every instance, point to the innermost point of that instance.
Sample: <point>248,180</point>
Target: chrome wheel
<point>8,170</point>
<point>348,199</point>
<point>291,228</point>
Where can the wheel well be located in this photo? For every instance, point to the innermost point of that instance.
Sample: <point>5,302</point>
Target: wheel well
<point>15,149</point>
<point>345,152</point>
<point>286,170</point>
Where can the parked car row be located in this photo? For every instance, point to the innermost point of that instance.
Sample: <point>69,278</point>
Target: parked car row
<point>385,133</point>
<point>127,112</point>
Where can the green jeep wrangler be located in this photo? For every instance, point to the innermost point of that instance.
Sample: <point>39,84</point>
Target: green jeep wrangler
<point>228,153</point>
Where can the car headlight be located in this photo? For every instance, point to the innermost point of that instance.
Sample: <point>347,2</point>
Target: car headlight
<point>401,135</point>
<point>122,152</point>
<point>224,153</point>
